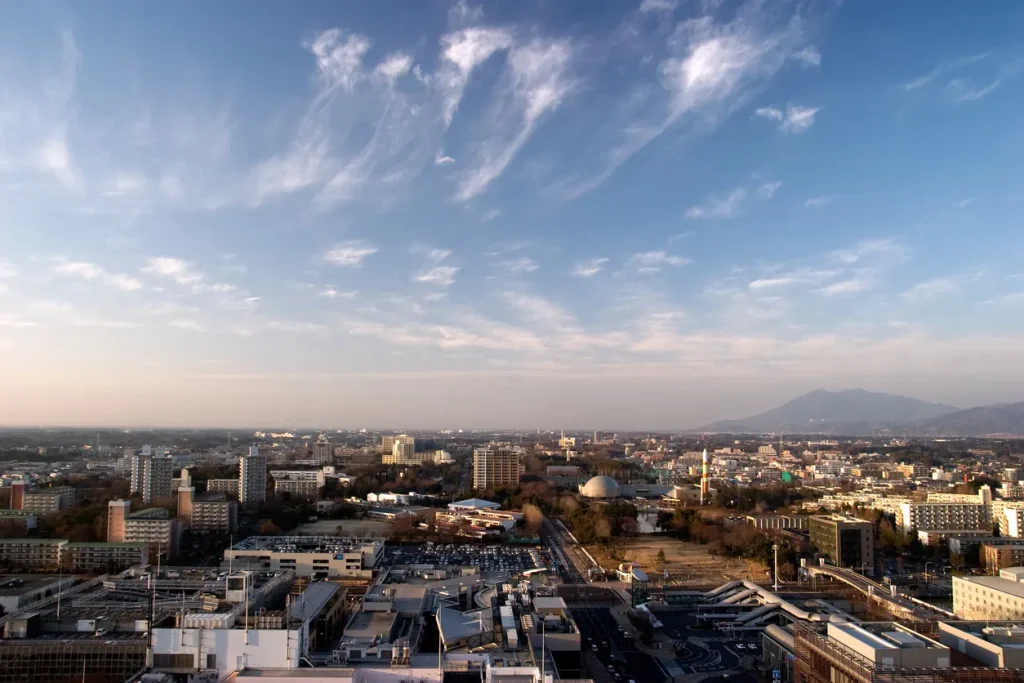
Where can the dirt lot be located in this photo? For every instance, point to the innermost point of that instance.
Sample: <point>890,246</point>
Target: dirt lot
<point>350,527</point>
<point>687,563</point>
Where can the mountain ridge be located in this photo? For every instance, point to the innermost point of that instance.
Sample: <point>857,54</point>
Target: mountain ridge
<point>847,412</point>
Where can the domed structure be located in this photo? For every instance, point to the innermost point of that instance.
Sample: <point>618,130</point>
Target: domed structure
<point>600,487</point>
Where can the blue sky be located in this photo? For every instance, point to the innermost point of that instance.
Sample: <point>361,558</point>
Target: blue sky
<point>530,214</point>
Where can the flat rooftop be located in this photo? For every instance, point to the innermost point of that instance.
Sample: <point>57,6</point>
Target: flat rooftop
<point>17,584</point>
<point>314,599</point>
<point>302,544</point>
<point>994,583</point>
<point>369,625</point>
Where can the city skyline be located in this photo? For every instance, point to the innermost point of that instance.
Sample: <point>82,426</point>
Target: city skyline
<point>644,216</point>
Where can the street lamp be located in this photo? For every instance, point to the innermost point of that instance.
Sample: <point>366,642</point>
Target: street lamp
<point>926,572</point>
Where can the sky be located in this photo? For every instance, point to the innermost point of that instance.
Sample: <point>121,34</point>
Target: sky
<point>536,214</point>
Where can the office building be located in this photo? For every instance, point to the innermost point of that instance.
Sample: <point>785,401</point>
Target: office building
<point>323,451</point>
<point>317,557</point>
<point>151,476</point>
<point>990,597</point>
<point>846,541</point>
<point>152,526</point>
<point>252,477</point>
<point>496,466</point>
<point>48,501</point>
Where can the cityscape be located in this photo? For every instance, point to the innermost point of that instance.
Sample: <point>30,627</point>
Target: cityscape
<point>483,341</point>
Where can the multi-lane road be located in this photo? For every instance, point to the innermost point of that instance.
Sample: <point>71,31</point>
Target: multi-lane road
<point>615,648</point>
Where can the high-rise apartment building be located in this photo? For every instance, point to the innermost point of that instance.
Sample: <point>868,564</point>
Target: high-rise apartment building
<point>252,477</point>
<point>387,443</point>
<point>151,475</point>
<point>496,466</point>
<point>323,451</point>
<point>152,526</point>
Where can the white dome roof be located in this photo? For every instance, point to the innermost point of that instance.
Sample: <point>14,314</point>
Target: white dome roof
<point>601,487</point>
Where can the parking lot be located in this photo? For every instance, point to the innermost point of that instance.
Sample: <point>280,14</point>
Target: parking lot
<point>490,558</point>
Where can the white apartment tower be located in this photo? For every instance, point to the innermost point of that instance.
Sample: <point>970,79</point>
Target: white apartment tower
<point>252,477</point>
<point>323,451</point>
<point>496,466</point>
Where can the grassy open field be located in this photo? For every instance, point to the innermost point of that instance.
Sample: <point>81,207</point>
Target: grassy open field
<point>686,563</point>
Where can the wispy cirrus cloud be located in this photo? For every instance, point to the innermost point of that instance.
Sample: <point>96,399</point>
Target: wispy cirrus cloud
<point>942,69</point>
<point>91,271</point>
<point>654,261</point>
<point>172,268</point>
<point>538,82</point>
<point>815,202</point>
<point>350,254</point>
<point>440,276</point>
<point>931,289</point>
<point>965,92</point>
<point>808,57</point>
<point>712,68</point>
<point>732,204</point>
<point>589,267</point>
<point>852,286</point>
<point>794,119</point>
<point>332,293</point>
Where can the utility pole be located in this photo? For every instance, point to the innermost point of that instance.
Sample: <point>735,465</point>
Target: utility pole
<point>775,547</point>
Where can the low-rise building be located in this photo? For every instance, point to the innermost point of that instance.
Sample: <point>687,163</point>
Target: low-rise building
<point>31,553</point>
<point>99,557</point>
<point>990,597</point>
<point>19,590</point>
<point>298,488</point>
<point>318,557</point>
<point>48,501</point>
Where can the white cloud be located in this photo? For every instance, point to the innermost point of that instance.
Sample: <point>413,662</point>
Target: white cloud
<point>821,200</point>
<point>462,52</point>
<point>441,276</point>
<point>969,94</point>
<point>713,69</point>
<point>539,81</point>
<point>340,57</point>
<point>90,271</point>
<point>658,6</point>
<point>772,283</point>
<point>490,215</point>
<point>879,248</point>
<point>174,269</point>
<point>768,190</point>
<point>7,270</point>
<point>442,159</point>
<point>332,293</point>
<point>126,183</point>
<point>931,289</point>
<point>434,254</point>
<point>349,254</point>
<point>942,69</point>
<point>794,119</point>
<point>770,113</point>
<point>845,287</point>
<point>728,206</point>
<point>521,265</point>
<point>653,261</point>
<point>589,267</point>
<point>55,158</point>
<point>393,67</point>
<point>808,57</point>
<point>964,203</point>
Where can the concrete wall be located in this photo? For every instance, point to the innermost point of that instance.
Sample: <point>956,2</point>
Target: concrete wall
<point>266,649</point>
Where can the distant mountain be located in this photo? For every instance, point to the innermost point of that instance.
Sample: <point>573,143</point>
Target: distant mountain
<point>852,412</point>
<point>1000,418</point>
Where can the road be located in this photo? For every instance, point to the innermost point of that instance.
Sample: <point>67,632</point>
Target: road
<point>602,637</point>
<point>706,650</point>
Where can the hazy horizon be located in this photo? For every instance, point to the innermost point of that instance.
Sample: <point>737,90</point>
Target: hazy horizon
<point>643,216</point>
